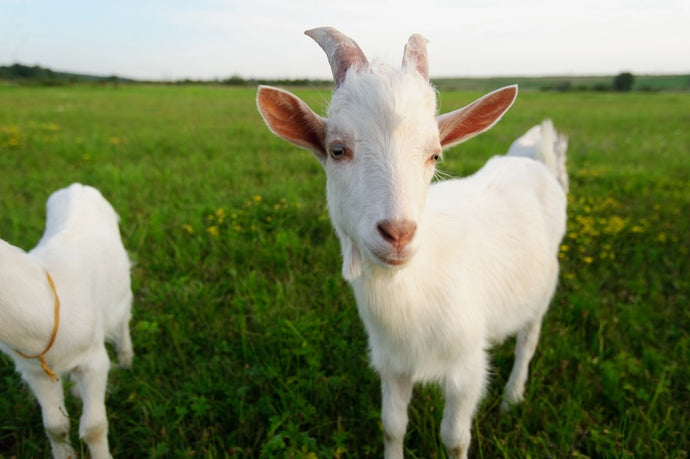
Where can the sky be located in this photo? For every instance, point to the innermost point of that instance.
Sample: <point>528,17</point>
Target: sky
<point>264,39</point>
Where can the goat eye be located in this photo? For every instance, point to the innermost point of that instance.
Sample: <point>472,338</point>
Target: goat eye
<point>338,151</point>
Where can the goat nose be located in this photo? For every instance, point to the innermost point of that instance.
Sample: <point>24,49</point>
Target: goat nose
<point>397,232</point>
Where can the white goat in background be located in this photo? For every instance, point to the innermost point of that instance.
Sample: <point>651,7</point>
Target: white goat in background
<point>439,272</point>
<point>73,288</point>
<point>543,143</point>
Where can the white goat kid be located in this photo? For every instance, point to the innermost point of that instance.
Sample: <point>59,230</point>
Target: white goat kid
<point>88,303</point>
<point>438,272</point>
<point>543,143</point>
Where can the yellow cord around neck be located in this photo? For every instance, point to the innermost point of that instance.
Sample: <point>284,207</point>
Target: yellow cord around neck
<point>41,357</point>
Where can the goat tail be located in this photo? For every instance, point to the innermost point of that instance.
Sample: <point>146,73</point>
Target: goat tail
<point>543,143</point>
<point>553,152</point>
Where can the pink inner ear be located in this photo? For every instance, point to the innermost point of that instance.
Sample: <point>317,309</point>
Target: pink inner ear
<point>477,117</point>
<point>291,119</point>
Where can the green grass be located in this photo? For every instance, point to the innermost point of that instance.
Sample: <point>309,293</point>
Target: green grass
<point>247,340</point>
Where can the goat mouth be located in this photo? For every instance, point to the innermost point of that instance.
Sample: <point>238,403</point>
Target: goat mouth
<point>388,256</point>
<point>392,260</point>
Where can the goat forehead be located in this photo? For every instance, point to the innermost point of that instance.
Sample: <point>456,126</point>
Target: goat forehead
<point>384,99</point>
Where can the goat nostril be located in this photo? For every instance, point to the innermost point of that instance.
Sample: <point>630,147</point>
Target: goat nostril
<point>385,232</point>
<point>397,232</point>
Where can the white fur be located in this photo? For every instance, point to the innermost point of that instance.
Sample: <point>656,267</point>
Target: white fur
<point>543,143</point>
<point>82,251</point>
<point>476,260</point>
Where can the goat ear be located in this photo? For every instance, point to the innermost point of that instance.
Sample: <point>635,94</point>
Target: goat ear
<point>477,117</point>
<point>290,118</point>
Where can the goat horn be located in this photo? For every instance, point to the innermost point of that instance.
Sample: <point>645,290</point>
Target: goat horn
<point>415,54</point>
<point>342,51</point>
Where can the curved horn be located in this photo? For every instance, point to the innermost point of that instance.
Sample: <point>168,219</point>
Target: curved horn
<point>415,54</point>
<point>342,51</point>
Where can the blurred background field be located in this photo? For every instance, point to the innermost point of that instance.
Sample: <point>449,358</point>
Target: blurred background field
<point>247,339</point>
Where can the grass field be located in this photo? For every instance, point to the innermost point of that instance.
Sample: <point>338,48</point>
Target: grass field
<point>247,340</point>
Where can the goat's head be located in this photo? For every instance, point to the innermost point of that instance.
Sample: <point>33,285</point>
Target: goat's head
<point>379,144</point>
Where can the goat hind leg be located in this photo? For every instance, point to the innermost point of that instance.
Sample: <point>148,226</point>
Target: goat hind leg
<point>525,347</point>
<point>50,396</point>
<point>92,378</point>
<point>125,352</point>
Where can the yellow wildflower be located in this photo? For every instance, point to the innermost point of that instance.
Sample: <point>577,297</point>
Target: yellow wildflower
<point>614,225</point>
<point>220,215</point>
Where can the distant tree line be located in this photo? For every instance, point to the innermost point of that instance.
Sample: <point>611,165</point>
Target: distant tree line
<point>37,75</point>
<point>24,72</point>
<point>237,80</point>
<point>623,82</point>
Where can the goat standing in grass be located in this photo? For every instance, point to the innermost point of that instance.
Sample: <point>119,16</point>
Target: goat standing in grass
<point>439,272</point>
<point>59,303</point>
